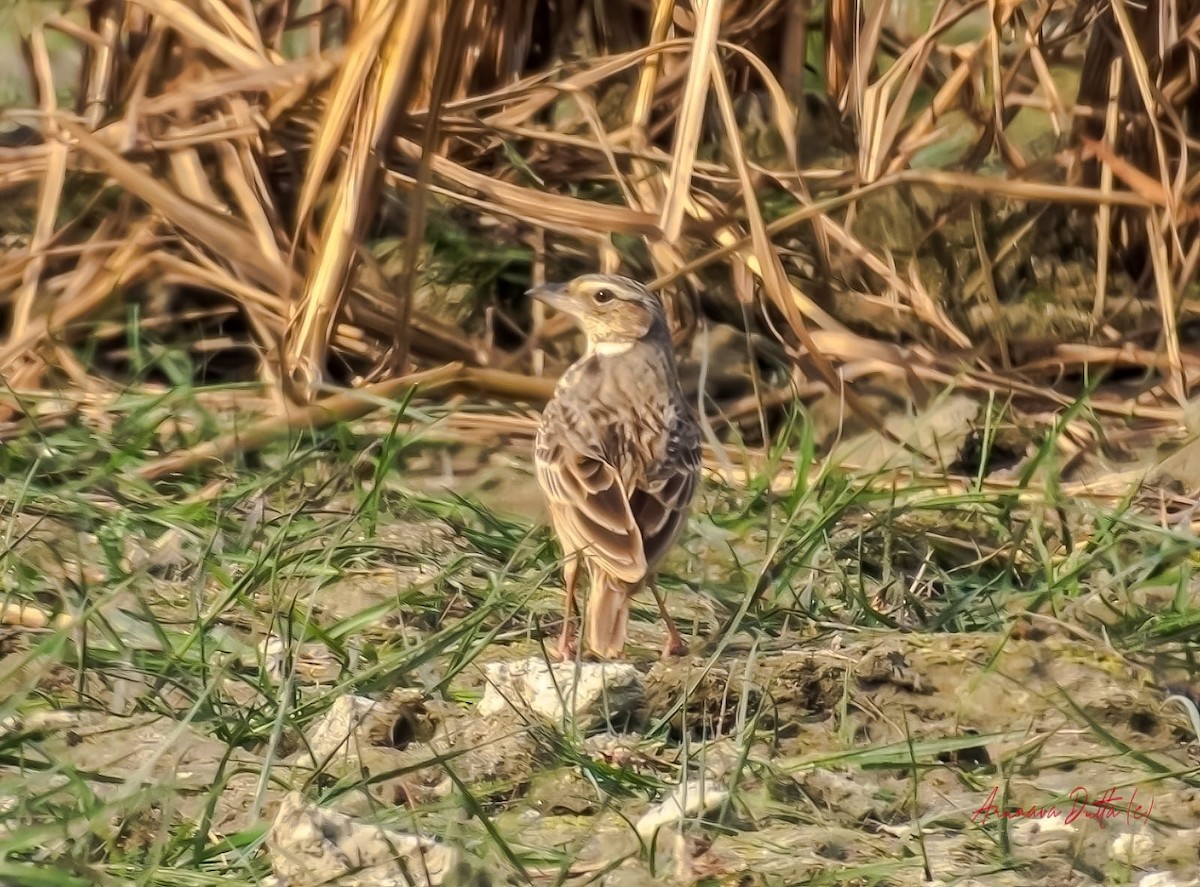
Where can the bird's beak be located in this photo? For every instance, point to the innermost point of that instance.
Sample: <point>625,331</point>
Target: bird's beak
<point>552,294</point>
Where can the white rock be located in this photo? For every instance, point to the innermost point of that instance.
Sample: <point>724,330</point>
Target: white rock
<point>688,799</point>
<point>1165,879</point>
<point>1042,835</point>
<point>309,845</point>
<point>590,694</point>
<point>335,731</point>
<point>39,721</point>
<point>1132,849</point>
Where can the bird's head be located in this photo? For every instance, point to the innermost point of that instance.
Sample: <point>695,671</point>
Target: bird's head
<point>614,312</point>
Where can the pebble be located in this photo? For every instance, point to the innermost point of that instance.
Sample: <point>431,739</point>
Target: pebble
<point>589,695</point>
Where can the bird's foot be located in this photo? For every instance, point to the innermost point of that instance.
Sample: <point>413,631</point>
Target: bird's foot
<point>675,646</point>
<point>565,649</point>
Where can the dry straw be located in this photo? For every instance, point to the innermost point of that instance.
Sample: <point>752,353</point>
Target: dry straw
<point>239,155</point>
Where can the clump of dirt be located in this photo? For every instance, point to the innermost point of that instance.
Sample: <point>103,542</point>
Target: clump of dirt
<point>700,703</point>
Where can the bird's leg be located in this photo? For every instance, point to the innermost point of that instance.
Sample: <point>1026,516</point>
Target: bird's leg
<point>565,648</point>
<point>675,645</point>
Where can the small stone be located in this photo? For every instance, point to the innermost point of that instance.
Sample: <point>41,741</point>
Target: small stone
<point>503,748</point>
<point>1041,837</point>
<point>1165,879</point>
<point>688,799</point>
<point>354,723</point>
<point>856,796</point>
<point>563,791</point>
<point>334,732</point>
<point>590,694</point>
<point>309,845</point>
<point>39,722</point>
<point>1132,849</point>
<point>618,749</point>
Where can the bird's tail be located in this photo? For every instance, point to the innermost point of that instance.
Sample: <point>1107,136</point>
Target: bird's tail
<point>606,622</point>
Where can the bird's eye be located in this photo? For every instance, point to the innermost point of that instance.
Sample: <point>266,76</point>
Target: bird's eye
<point>602,296</point>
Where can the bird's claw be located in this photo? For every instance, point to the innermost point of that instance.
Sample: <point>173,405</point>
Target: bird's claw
<point>565,649</point>
<point>675,646</point>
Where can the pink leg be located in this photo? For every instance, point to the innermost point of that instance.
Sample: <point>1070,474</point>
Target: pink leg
<point>675,645</point>
<point>565,648</point>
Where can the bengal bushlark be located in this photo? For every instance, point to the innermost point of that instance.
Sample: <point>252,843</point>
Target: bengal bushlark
<point>617,454</point>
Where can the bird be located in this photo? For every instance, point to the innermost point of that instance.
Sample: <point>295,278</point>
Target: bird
<point>617,456</point>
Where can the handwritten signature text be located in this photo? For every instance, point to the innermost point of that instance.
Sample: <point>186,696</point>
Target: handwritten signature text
<point>1110,804</point>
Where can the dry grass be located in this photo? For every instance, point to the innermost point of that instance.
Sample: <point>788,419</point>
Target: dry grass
<point>224,163</point>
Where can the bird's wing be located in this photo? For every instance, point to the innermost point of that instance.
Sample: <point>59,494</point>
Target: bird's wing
<point>660,506</point>
<point>588,505</point>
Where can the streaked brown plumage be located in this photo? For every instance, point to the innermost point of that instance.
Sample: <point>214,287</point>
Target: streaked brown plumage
<point>617,453</point>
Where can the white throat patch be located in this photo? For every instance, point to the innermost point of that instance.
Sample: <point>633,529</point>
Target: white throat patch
<point>608,349</point>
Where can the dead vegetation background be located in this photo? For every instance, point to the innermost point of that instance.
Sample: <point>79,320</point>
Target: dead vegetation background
<point>998,195</point>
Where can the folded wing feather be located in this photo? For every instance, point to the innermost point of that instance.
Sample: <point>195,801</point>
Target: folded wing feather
<point>590,510</point>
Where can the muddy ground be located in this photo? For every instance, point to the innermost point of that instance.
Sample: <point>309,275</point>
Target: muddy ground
<point>861,758</point>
